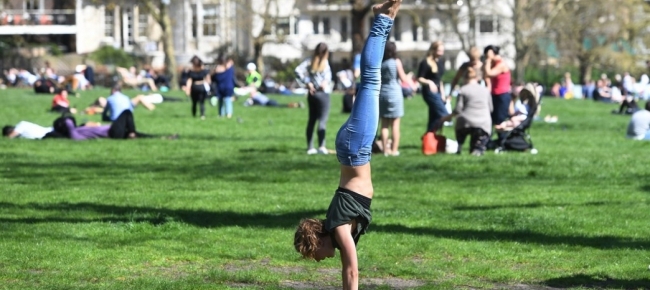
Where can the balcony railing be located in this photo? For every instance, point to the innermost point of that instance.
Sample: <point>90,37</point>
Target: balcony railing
<point>37,17</point>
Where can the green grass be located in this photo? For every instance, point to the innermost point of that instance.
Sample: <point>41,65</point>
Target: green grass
<point>217,208</point>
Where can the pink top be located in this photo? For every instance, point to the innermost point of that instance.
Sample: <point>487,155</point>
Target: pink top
<point>501,83</point>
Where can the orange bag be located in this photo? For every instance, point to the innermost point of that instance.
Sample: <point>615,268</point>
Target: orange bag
<point>433,143</point>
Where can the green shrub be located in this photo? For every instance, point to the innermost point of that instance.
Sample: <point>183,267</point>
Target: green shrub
<point>112,56</point>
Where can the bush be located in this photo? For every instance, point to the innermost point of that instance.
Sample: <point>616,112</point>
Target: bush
<point>108,55</point>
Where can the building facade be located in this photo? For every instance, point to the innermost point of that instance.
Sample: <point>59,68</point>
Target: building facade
<point>290,28</point>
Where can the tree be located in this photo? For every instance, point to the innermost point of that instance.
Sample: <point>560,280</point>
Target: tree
<point>260,19</point>
<point>159,11</point>
<point>599,32</point>
<point>528,31</point>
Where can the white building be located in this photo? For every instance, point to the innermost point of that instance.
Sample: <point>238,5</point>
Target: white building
<point>203,27</point>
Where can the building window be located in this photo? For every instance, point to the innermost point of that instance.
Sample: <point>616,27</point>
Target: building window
<point>316,22</point>
<point>129,26</point>
<point>326,26</point>
<point>109,22</point>
<point>210,20</point>
<point>283,26</point>
<point>488,24</point>
<point>143,24</point>
<point>30,5</point>
<point>397,32</point>
<point>345,34</point>
<point>195,23</point>
<point>414,29</point>
<point>296,23</point>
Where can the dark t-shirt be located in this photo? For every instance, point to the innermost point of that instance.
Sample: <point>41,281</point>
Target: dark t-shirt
<point>345,207</point>
<point>198,75</point>
<point>424,71</point>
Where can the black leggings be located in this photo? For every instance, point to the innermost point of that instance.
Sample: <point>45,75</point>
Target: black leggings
<point>123,126</point>
<point>477,142</point>
<point>319,110</point>
<point>198,95</point>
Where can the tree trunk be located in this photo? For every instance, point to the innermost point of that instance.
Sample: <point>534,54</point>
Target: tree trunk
<point>358,26</point>
<point>586,65</point>
<point>168,45</point>
<point>258,45</point>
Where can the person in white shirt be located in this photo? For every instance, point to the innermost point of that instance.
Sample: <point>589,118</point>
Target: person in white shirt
<point>639,126</point>
<point>26,130</point>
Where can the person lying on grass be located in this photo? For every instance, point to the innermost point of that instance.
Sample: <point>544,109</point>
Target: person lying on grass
<point>348,215</point>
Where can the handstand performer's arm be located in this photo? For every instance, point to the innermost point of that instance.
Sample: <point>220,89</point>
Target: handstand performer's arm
<point>350,270</point>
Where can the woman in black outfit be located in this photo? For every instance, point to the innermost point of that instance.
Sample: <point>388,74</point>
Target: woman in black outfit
<point>197,83</point>
<point>430,73</point>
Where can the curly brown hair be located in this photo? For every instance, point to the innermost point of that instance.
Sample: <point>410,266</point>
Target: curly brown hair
<point>307,237</point>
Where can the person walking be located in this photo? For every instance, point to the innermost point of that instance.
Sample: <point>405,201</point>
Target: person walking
<point>316,73</point>
<point>223,81</point>
<point>197,86</point>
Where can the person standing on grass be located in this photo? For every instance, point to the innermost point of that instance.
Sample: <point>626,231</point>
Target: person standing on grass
<point>497,75</point>
<point>316,73</point>
<point>391,99</point>
<point>430,73</point>
<point>197,86</point>
<point>223,81</point>
<point>348,215</point>
<point>475,63</point>
<point>639,127</point>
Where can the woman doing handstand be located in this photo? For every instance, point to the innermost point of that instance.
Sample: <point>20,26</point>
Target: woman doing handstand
<point>348,215</point>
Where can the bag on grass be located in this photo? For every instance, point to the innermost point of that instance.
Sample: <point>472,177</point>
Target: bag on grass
<point>433,143</point>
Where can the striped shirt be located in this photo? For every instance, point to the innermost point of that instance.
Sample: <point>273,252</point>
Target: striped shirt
<point>317,78</point>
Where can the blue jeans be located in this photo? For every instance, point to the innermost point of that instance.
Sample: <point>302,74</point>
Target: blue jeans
<point>647,136</point>
<point>354,139</point>
<point>500,112</point>
<point>436,106</point>
<point>225,106</point>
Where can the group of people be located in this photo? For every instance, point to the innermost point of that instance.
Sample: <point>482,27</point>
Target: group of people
<point>117,109</point>
<point>220,86</point>
<point>48,81</point>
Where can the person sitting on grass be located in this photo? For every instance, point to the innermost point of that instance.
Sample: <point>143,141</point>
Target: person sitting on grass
<point>258,99</point>
<point>639,126</point>
<point>25,130</point>
<point>473,113</point>
<point>348,215</point>
<point>116,103</point>
<point>147,101</point>
<point>61,104</point>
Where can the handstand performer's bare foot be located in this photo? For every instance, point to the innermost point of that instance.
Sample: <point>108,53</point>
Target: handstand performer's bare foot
<point>388,8</point>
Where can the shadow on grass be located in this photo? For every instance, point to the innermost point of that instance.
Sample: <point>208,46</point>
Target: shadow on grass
<point>535,205</point>
<point>598,242</point>
<point>591,282</point>
<point>212,219</point>
<point>158,216</point>
<point>646,188</point>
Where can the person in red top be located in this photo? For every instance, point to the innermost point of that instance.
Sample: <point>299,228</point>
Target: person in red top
<point>61,104</point>
<point>497,77</point>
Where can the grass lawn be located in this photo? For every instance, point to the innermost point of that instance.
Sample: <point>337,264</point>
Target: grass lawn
<point>217,208</point>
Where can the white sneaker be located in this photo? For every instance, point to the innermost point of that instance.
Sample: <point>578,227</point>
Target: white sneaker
<point>449,124</point>
<point>312,151</point>
<point>323,150</point>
